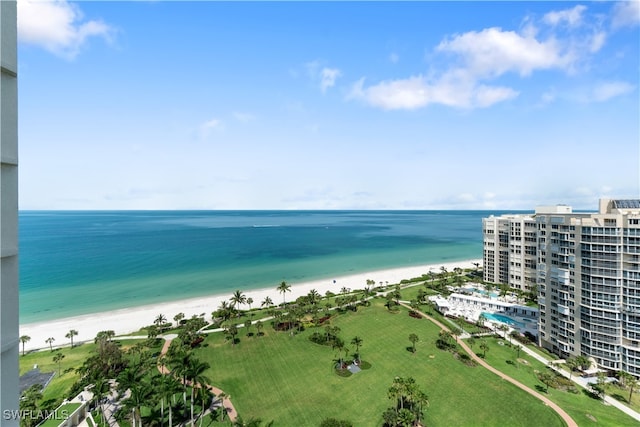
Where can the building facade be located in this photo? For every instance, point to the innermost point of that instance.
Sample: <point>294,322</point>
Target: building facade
<point>8,213</point>
<point>589,283</point>
<point>509,251</point>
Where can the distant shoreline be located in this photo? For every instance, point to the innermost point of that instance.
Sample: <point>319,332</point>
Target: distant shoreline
<point>124,321</point>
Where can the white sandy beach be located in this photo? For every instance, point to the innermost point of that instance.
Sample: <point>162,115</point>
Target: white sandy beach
<point>132,319</point>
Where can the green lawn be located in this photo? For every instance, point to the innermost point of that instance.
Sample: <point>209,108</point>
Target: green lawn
<point>58,388</point>
<point>581,407</point>
<point>65,410</point>
<point>291,380</point>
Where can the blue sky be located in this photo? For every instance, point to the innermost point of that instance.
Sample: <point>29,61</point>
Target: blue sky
<point>331,105</point>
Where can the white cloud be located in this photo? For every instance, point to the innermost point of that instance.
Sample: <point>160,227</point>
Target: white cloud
<point>243,117</point>
<point>452,90</point>
<point>325,76</point>
<point>57,26</point>
<point>493,52</point>
<point>572,17</point>
<point>328,78</point>
<point>597,41</point>
<point>210,125</point>
<point>477,59</point>
<point>605,91</point>
<point>625,14</point>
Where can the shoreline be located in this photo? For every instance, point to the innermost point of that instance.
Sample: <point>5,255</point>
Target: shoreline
<point>125,321</point>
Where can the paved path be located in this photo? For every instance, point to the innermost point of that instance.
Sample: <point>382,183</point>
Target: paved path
<point>226,401</point>
<point>567,419</point>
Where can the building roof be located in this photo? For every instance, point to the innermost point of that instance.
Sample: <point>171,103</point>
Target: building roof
<point>626,204</point>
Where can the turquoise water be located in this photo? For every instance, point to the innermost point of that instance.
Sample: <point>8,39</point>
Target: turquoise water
<point>503,319</point>
<point>79,262</point>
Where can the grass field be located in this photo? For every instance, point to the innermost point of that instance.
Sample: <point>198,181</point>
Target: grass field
<point>58,388</point>
<point>584,409</point>
<point>292,381</point>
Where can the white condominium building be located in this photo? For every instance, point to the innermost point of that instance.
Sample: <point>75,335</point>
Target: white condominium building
<point>589,284</point>
<point>509,250</point>
<point>8,214</point>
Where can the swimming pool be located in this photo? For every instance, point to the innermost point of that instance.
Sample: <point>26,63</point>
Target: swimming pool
<point>503,319</point>
<point>481,292</point>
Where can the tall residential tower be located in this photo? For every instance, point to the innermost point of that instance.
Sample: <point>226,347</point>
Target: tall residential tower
<point>8,212</point>
<point>589,284</point>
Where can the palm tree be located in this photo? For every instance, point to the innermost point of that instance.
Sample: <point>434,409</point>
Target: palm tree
<point>139,395</point>
<point>632,383</point>
<point>249,302</point>
<point>50,341</point>
<point>314,296</point>
<point>283,288</point>
<point>232,330</point>
<point>572,364</point>
<point>238,298</point>
<point>414,339</point>
<point>160,320</point>
<point>267,302</point>
<point>357,341</point>
<point>58,359</point>
<point>471,341</point>
<point>71,334</point>
<point>100,389</point>
<point>484,347</point>
<point>338,344</point>
<point>247,325</point>
<point>178,317</point>
<point>195,373</point>
<point>24,339</point>
<point>259,327</point>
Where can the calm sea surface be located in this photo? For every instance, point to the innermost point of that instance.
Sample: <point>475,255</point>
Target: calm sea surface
<point>78,262</point>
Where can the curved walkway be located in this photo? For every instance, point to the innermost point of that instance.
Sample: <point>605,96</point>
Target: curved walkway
<point>566,418</point>
<point>226,401</point>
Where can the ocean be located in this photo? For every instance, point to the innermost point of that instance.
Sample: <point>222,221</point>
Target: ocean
<point>82,262</point>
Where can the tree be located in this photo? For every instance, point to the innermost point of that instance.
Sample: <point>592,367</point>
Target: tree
<point>284,288</point>
<point>178,318</point>
<point>583,362</point>
<point>518,348</point>
<point>247,325</point>
<point>100,389</point>
<point>445,340</point>
<point>414,339</point>
<point>572,364</point>
<point>409,402</point>
<point>58,359</point>
<point>249,302</point>
<point>314,296</point>
<point>195,373</point>
<point>484,347</point>
<point>139,395</point>
<point>232,331</point>
<point>50,341</point>
<point>24,339</point>
<point>632,383</point>
<point>70,335</point>
<point>259,326</point>
<point>357,341</point>
<point>160,320</point>
<point>267,302</point>
<point>471,341</point>
<point>238,298</point>
<point>547,378</point>
<point>338,344</point>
